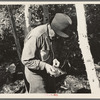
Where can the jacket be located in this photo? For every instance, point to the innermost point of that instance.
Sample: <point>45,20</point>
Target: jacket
<point>36,53</point>
<point>37,49</point>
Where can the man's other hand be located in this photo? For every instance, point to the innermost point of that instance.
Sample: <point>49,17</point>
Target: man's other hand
<point>56,63</point>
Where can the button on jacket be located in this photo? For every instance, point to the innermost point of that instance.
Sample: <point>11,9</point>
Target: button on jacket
<point>37,50</point>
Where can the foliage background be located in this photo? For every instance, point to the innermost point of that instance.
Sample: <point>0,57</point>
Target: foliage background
<point>70,50</point>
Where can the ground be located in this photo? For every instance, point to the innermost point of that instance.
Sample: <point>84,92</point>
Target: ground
<point>12,82</point>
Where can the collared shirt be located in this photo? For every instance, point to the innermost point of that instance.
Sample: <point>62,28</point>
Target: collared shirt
<point>37,49</point>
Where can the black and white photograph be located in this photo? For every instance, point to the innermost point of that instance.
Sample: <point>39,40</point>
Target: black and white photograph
<point>50,48</point>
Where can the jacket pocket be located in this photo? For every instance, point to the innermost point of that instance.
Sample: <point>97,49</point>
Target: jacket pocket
<point>45,55</point>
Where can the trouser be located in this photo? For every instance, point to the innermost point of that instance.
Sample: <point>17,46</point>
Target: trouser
<point>39,82</point>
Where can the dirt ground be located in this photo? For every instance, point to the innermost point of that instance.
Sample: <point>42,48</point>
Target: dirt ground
<point>71,84</point>
<point>14,83</point>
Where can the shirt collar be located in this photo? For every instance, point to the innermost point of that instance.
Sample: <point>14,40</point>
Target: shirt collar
<point>50,31</point>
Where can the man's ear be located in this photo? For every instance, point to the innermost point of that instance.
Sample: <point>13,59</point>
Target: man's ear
<point>52,33</point>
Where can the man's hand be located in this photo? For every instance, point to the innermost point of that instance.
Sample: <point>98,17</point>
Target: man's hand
<point>56,63</point>
<point>50,70</point>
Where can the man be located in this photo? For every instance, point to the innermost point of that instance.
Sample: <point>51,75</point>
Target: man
<point>38,56</point>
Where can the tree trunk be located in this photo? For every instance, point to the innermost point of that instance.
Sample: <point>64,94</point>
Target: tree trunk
<point>46,14</point>
<point>27,19</point>
<point>85,49</point>
<point>15,37</point>
<point>14,31</point>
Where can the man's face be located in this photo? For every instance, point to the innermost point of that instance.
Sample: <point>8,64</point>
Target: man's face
<point>56,37</point>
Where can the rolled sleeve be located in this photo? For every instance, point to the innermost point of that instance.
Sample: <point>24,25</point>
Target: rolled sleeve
<point>29,55</point>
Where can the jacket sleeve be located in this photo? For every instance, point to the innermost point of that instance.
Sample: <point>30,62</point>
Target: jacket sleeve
<point>29,55</point>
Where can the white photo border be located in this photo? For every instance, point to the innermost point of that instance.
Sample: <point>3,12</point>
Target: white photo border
<point>49,96</point>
